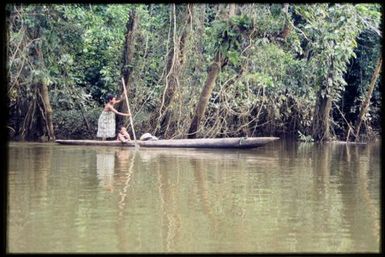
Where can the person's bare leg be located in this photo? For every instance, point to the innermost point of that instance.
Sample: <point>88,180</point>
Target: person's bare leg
<point>121,138</point>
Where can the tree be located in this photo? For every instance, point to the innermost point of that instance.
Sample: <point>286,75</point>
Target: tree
<point>27,67</point>
<point>175,64</point>
<point>365,104</point>
<point>332,36</point>
<point>127,63</point>
<point>263,69</point>
<point>213,71</point>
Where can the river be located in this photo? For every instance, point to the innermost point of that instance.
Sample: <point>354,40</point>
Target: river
<point>281,198</point>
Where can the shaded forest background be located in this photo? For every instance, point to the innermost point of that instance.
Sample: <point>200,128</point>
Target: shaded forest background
<point>196,70</point>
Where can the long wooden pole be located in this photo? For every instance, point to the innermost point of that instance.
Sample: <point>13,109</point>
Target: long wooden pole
<point>129,111</point>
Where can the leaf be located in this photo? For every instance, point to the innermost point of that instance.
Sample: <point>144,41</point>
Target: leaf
<point>233,57</point>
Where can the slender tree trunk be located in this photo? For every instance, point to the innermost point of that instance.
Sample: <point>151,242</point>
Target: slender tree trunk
<point>127,67</point>
<point>189,14</point>
<point>213,73</point>
<point>365,104</point>
<point>48,111</point>
<point>175,65</point>
<point>43,91</point>
<point>172,73</point>
<point>129,48</point>
<point>321,123</point>
<point>321,117</point>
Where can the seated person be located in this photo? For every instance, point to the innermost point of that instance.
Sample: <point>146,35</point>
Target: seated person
<point>123,136</point>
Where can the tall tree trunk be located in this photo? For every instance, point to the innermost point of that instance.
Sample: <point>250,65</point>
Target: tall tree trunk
<point>321,122</point>
<point>175,64</point>
<point>321,117</point>
<point>213,73</point>
<point>189,14</point>
<point>129,48</point>
<point>48,111</point>
<point>43,91</point>
<point>127,60</point>
<point>365,104</point>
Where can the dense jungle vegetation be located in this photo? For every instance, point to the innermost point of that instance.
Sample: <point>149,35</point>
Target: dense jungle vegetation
<point>196,70</point>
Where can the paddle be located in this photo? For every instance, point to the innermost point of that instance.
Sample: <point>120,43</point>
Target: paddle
<point>129,111</point>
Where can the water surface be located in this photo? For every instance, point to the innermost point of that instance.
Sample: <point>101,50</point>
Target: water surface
<point>283,197</point>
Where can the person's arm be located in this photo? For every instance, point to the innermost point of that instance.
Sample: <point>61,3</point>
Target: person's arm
<point>119,113</point>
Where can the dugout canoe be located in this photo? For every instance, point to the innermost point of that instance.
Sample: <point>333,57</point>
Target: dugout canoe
<point>235,142</point>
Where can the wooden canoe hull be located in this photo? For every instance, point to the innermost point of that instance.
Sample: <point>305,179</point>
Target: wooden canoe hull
<point>237,142</point>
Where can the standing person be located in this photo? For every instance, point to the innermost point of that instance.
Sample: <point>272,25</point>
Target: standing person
<point>106,122</point>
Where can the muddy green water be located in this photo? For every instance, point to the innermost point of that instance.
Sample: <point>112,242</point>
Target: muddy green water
<point>283,197</point>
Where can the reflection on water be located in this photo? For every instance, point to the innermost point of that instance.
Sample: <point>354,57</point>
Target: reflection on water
<point>284,197</point>
<point>105,163</point>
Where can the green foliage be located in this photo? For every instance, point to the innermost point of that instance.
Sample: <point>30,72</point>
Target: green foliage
<point>228,35</point>
<point>102,42</point>
<point>370,15</point>
<point>358,78</point>
<point>70,124</point>
<point>333,31</point>
<point>268,86</point>
<point>268,19</point>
